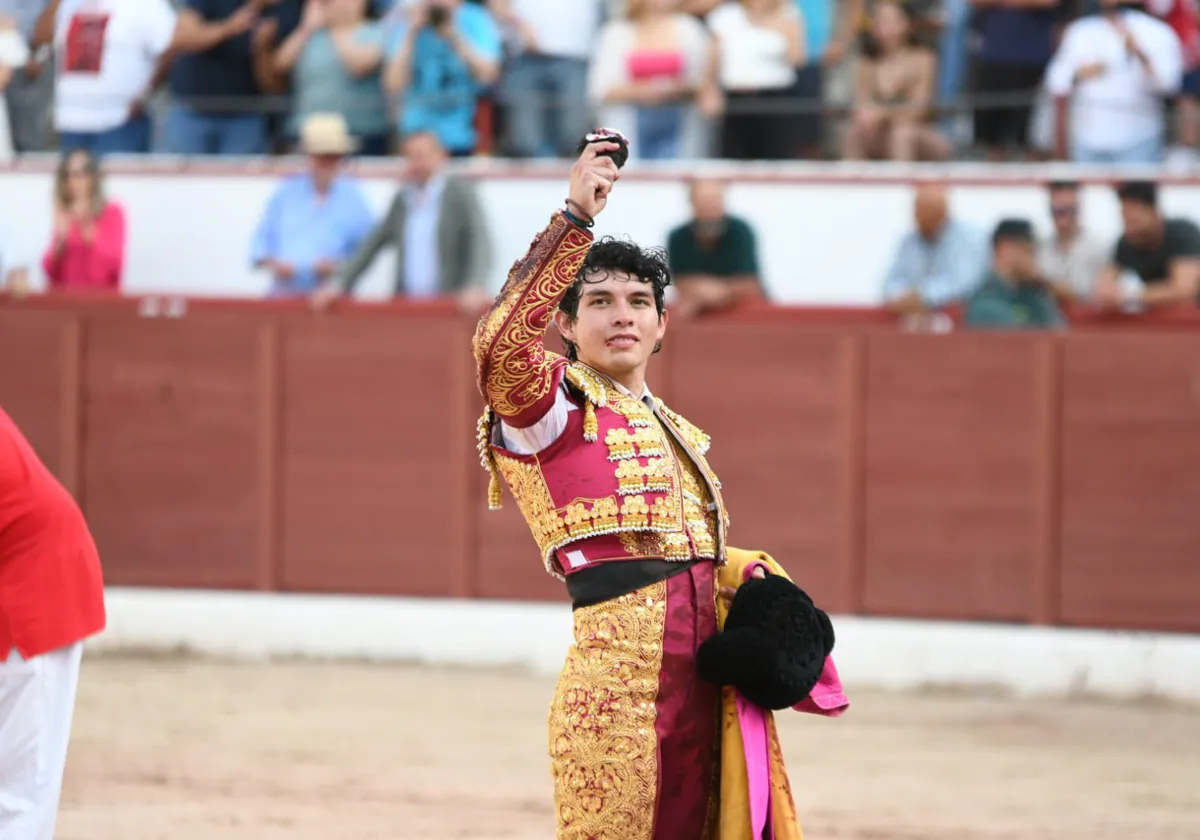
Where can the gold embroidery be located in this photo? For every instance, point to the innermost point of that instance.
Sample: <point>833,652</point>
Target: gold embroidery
<point>623,444</point>
<point>635,477</point>
<point>661,503</point>
<point>642,543</point>
<point>696,439</point>
<point>635,412</point>
<point>602,743</point>
<point>701,523</point>
<point>594,386</point>
<point>514,368</point>
<point>676,547</point>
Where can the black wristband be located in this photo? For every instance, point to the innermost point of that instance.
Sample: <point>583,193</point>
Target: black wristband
<point>575,220</point>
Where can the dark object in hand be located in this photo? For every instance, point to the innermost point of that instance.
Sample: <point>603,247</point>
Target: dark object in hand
<point>607,135</point>
<point>773,647</point>
<point>438,15</point>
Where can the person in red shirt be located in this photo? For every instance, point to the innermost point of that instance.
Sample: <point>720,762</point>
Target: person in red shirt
<point>87,251</point>
<point>51,599</point>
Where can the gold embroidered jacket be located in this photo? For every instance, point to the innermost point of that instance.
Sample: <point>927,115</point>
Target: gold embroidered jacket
<point>624,480</point>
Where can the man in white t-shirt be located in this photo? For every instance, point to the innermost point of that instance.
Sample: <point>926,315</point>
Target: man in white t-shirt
<point>1116,68</point>
<point>111,56</point>
<point>545,78</point>
<point>108,54</point>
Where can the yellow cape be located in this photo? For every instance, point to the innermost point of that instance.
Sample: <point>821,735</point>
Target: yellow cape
<point>735,783</point>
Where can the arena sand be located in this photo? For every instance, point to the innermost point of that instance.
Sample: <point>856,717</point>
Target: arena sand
<point>186,749</point>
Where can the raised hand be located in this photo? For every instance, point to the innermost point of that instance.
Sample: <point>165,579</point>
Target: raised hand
<point>592,178</point>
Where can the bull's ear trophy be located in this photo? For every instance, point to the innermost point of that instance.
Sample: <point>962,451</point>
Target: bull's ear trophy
<point>607,135</point>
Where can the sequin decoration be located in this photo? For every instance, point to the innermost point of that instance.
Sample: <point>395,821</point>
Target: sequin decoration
<point>602,742</point>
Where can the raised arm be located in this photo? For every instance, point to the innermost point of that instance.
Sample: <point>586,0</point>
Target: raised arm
<point>515,373</point>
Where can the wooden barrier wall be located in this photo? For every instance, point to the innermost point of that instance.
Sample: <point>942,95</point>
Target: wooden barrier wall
<point>1017,478</point>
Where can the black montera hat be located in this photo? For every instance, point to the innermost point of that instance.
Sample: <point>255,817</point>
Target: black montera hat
<point>773,646</point>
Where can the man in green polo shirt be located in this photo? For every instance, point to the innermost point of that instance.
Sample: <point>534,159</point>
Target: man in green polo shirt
<point>714,257</point>
<point>1013,294</point>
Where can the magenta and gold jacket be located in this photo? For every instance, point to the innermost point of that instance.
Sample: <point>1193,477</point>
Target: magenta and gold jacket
<point>623,481</point>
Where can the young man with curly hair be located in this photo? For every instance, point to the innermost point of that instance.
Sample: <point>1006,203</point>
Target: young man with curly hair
<point>626,510</point>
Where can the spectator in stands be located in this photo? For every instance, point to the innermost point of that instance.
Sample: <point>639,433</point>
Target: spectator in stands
<point>111,56</point>
<point>437,226</point>
<point>1070,259</point>
<point>953,59</point>
<point>760,47</point>
<point>647,73</point>
<point>30,86</point>
<point>87,249</point>
<point>1183,16</point>
<point>335,56</point>
<point>1017,42</point>
<point>1157,260</point>
<point>830,37</point>
<point>545,77</point>
<point>938,264</point>
<point>714,257</point>
<point>14,265</point>
<point>315,220</point>
<point>829,41</point>
<point>1013,296</point>
<point>1115,67</point>
<point>442,58</point>
<point>894,96</point>
<point>216,91</point>
<point>13,55</point>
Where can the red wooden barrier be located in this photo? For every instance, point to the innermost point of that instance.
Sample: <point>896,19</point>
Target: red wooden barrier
<point>1049,478</point>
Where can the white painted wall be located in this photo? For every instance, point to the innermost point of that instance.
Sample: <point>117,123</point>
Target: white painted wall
<point>826,233</point>
<point>878,653</point>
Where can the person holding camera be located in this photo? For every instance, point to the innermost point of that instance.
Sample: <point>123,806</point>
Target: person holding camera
<point>443,57</point>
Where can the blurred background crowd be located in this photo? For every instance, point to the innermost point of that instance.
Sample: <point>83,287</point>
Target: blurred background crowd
<point>1084,80</point>
<point>1089,81</point>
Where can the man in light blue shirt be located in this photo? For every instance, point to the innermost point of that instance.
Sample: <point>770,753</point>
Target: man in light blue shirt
<point>938,264</point>
<point>440,66</point>
<point>315,220</point>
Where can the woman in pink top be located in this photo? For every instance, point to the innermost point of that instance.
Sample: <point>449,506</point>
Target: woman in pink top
<point>87,252</point>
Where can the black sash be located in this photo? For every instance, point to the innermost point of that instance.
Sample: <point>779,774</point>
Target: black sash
<point>606,581</point>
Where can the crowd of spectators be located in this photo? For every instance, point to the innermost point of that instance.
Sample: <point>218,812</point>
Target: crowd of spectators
<point>1086,80</point>
<point>1008,277</point>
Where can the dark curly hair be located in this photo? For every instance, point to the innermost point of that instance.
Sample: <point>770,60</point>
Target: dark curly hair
<point>608,254</point>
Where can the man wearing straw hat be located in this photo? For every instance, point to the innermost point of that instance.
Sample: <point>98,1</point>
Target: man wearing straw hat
<point>316,219</point>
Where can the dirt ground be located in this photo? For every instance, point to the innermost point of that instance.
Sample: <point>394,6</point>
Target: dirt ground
<point>197,750</point>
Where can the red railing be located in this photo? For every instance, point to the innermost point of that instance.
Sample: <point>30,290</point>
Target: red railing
<point>1048,478</point>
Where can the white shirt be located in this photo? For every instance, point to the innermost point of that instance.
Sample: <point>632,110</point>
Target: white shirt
<point>562,28</point>
<point>106,51</point>
<point>422,209</point>
<point>1077,266</point>
<point>752,57</point>
<point>1122,107</point>
<point>545,431</point>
